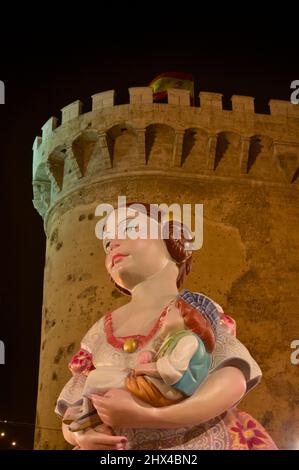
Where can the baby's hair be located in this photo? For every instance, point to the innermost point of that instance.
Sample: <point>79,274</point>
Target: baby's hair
<point>197,322</point>
<point>176,242</point>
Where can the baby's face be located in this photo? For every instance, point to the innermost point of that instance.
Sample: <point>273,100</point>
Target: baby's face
<point>174,321</point>
<point>134,247</point>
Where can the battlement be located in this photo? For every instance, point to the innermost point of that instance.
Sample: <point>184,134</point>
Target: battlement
<point>171,138</point>
<point>144,95</point>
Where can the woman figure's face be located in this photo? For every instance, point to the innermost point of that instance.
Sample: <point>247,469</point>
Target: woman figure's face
<point>131,261</point>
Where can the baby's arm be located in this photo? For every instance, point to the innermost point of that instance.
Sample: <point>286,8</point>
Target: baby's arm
<point>147,369</point>
<point>173,366</point>
<point>170,368</point>
<point>146,365</point>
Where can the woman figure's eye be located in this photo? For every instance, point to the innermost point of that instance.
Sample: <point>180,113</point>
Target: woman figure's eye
<point>107,244</point>
<point>131,227</point>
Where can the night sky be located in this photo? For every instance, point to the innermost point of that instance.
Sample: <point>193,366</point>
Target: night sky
<point>39,82</point>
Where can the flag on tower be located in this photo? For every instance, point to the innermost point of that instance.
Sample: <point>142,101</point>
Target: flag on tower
<point>166,80</point>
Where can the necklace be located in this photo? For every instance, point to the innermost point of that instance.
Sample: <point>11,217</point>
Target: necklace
<point>130,343</point>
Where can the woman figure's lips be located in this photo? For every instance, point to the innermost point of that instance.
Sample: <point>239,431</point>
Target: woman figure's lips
<point>117,258</point>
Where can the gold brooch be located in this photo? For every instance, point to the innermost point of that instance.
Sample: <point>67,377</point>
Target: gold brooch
<point>130,345</point>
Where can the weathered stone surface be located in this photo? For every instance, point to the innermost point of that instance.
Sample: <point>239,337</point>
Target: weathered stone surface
<point>242,166</point>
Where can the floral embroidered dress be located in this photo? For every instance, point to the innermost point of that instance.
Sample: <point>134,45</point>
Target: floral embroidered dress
<point>232,430</point>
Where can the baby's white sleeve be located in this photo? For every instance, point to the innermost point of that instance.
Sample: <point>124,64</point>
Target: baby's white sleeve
<point>172,367</point>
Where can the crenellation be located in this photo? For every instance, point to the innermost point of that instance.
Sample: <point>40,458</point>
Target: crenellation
<point>278,107</point>
<point>179,97</point>
<point>71,111</point>
<point>104,99</point>
<point>36,143</point>
<point>49,127</point>
<point>242,104</point>
<point>141,95</point>
<point>283,108</point>
<point>169,136</point>
<point>293,110</point>
<point>210,100</point>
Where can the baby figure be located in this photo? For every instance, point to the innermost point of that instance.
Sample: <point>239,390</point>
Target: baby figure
<point>160,377</point>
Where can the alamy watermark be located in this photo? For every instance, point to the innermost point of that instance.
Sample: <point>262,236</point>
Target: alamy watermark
<point>2,92</point>
<point>135,222</point>
<point>294,98</point>
<point>295,354</point>
<point>2,353</point>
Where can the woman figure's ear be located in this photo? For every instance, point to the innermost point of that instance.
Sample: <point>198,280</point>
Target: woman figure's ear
<point>181,235</point>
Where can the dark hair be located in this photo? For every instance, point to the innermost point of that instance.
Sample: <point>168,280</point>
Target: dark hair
<point>175,243</point>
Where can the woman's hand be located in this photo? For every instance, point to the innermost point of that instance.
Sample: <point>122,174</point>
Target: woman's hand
<point>220,392</point>
<point>118,408</point>
<point>99,438</point>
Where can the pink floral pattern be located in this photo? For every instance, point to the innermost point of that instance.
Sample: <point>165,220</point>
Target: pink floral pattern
<point>247,433</point>
<point>229,323</point>
<point>237,430</point>
<point>81,363</point>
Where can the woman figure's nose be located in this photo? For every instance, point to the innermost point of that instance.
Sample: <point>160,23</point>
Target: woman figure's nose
<point>114,244</point>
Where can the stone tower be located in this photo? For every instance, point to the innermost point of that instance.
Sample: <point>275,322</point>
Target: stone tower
<point>244,168</point>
